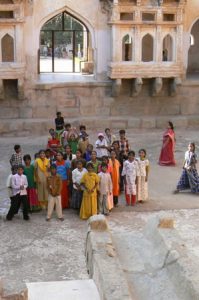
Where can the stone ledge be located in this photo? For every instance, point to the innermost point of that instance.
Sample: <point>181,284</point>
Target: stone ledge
<point>22,295</point>
<point>181,265</point>
<point>35,126</point>
<point>103,264</point>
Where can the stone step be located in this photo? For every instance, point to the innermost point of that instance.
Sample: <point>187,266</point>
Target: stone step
<point>26,127</point>
<point>62,290</point>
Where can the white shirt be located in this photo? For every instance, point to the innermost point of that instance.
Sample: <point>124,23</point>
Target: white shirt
<point>77,176</point>
<point>9,185</point>
<point>17,181</point>
<point>100,151</point>
<point>131,169</point>
<point>105,184</point>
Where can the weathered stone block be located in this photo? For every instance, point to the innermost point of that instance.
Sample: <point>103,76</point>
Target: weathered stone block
<point>69,112</point>
<point>65,102</point>
<point>166,223</point>
<point>25,112</point>
<point>87,111</point>
<point>134,123</point>
<point>193,121</point>
<point>148,122</point>
<point>9,113</point>
<point>102,123</point>
<point>180,121</point>
<point>98,222</point>
<point>44,112</point>
<point>119,124</point>
<point>161,122</point>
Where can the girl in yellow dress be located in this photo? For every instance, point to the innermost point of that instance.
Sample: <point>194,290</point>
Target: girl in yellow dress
<point>90,183</point>
<point>42,166</point>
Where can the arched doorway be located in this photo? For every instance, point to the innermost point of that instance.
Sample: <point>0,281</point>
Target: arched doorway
<point>193,54</point>
<point>7,48</point>
<point>64,43</point>
<point>167,48</point>
<point>147,48</point>
<point>127,48</point>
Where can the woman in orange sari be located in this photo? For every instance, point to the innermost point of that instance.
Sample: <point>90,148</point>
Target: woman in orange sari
<point>115,166</point>
<point>168,147</point>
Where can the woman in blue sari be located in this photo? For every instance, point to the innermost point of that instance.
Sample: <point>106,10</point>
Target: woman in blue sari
<point>189,178</point>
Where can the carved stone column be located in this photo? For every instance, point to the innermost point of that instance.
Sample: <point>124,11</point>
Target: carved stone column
<point>158,44</point>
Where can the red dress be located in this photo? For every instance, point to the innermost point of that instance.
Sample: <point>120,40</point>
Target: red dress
<point>168,147</point>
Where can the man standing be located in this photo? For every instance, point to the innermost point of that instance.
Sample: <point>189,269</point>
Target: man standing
<point>19,187</point>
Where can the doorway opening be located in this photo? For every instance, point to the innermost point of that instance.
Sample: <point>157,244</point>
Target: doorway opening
<point>64,45</point>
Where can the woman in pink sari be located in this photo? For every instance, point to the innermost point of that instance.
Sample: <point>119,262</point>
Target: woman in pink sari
<point>168,147</point>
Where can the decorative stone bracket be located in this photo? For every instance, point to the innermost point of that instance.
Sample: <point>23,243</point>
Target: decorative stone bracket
<point>136,87</point>
<point>156,86</point>
<point>174,85</point>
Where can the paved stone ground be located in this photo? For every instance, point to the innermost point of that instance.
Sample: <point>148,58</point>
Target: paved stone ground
<point>40,251</point>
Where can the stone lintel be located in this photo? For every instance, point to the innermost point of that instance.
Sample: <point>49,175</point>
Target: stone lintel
<point>116,87</point>
<point>136,86</point>
<point>157,86</point>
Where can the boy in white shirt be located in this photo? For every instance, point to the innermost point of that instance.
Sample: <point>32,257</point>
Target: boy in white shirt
<point>77,193</point>
<point>19,185</point>
<point>101,146</point>
<point>105,189</point>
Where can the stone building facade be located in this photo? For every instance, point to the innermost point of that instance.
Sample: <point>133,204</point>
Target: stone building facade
<point>131,63</point>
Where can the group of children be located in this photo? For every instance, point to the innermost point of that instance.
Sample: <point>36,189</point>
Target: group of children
<point>73,173</point>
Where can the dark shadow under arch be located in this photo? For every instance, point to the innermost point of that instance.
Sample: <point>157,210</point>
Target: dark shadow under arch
<point>147,48</point>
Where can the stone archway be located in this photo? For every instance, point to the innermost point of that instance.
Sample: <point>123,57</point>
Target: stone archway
<point>193,54</point>
<point>127,48</point>
<point>7,48</point>
<point>64,45</point>
<point>147,48</point>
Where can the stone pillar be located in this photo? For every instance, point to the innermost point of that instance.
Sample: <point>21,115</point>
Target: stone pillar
<point>138,50</point>
<point>19,49</point>
<point>21,89</point>
<point>158,45</point>
<point>116,87</point>
<point>136,87</point>
<point>1,90</point>
<point>179,44</point>
<point>157,86</point>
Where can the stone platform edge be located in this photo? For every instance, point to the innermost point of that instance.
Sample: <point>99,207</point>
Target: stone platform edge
<point>102,262</point>
<point>26,127</point>
<point>22,295</point>
<point>181,265</point>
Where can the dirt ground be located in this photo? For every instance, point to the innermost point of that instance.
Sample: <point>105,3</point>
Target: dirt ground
<point>36,251</point>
